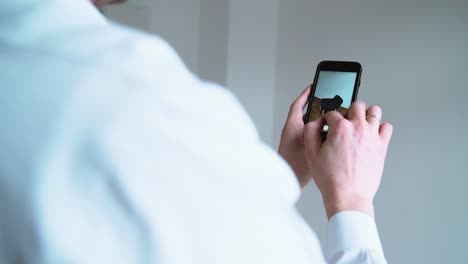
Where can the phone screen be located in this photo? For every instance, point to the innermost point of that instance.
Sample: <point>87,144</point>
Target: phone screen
<point>333,91</point>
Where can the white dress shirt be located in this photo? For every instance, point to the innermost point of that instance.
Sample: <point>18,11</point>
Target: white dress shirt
<point>111,151</point>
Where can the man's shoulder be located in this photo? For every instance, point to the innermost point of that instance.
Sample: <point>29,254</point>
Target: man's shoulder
<point>137,52</point>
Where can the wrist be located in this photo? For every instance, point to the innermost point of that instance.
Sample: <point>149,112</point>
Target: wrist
<point>334,206</point>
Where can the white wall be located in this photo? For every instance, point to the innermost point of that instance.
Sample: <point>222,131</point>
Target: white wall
<point>214,34</point>
<point>252,59</point>
<point>414,54</point>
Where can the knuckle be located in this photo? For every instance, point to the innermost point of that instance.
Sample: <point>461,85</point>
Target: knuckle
<point>386,132</point>
<point>342,124</point>
<point>375,108</point>
<point>359,127</point>
<point>388,127</point>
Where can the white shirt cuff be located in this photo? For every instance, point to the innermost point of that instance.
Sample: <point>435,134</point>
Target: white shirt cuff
<point>350,231</point>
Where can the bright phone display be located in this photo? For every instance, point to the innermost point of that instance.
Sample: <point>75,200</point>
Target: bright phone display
<point>334,91</point>
<point>335,88</point>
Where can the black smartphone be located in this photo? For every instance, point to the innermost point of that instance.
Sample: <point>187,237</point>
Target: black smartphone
<point>335,88</point>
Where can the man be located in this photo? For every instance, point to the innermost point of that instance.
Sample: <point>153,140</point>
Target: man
<point>113,152</point>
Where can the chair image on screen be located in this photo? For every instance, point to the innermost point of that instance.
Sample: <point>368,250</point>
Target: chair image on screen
<point>330,104</point>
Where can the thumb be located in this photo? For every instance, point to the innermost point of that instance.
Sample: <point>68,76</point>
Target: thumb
<point>295,111</point>
<point>312,139</point>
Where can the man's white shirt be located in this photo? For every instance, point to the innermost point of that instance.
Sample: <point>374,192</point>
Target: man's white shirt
<point>111,151</point>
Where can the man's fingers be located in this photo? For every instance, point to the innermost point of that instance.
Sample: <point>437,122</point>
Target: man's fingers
<point>332,118</point>
<point>386,131</point>
<point>357,111</point>
<point>298,105</point>
<point>312,139</point>
<point>374,115</point>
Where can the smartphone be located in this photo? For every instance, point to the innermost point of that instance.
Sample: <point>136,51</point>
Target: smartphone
<point>335,88</point>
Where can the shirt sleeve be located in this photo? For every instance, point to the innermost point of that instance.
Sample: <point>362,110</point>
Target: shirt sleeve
<point>352,237</point>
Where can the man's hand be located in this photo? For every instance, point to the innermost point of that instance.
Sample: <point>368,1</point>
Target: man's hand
<point>348,166</point>
<point>292,146</point>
